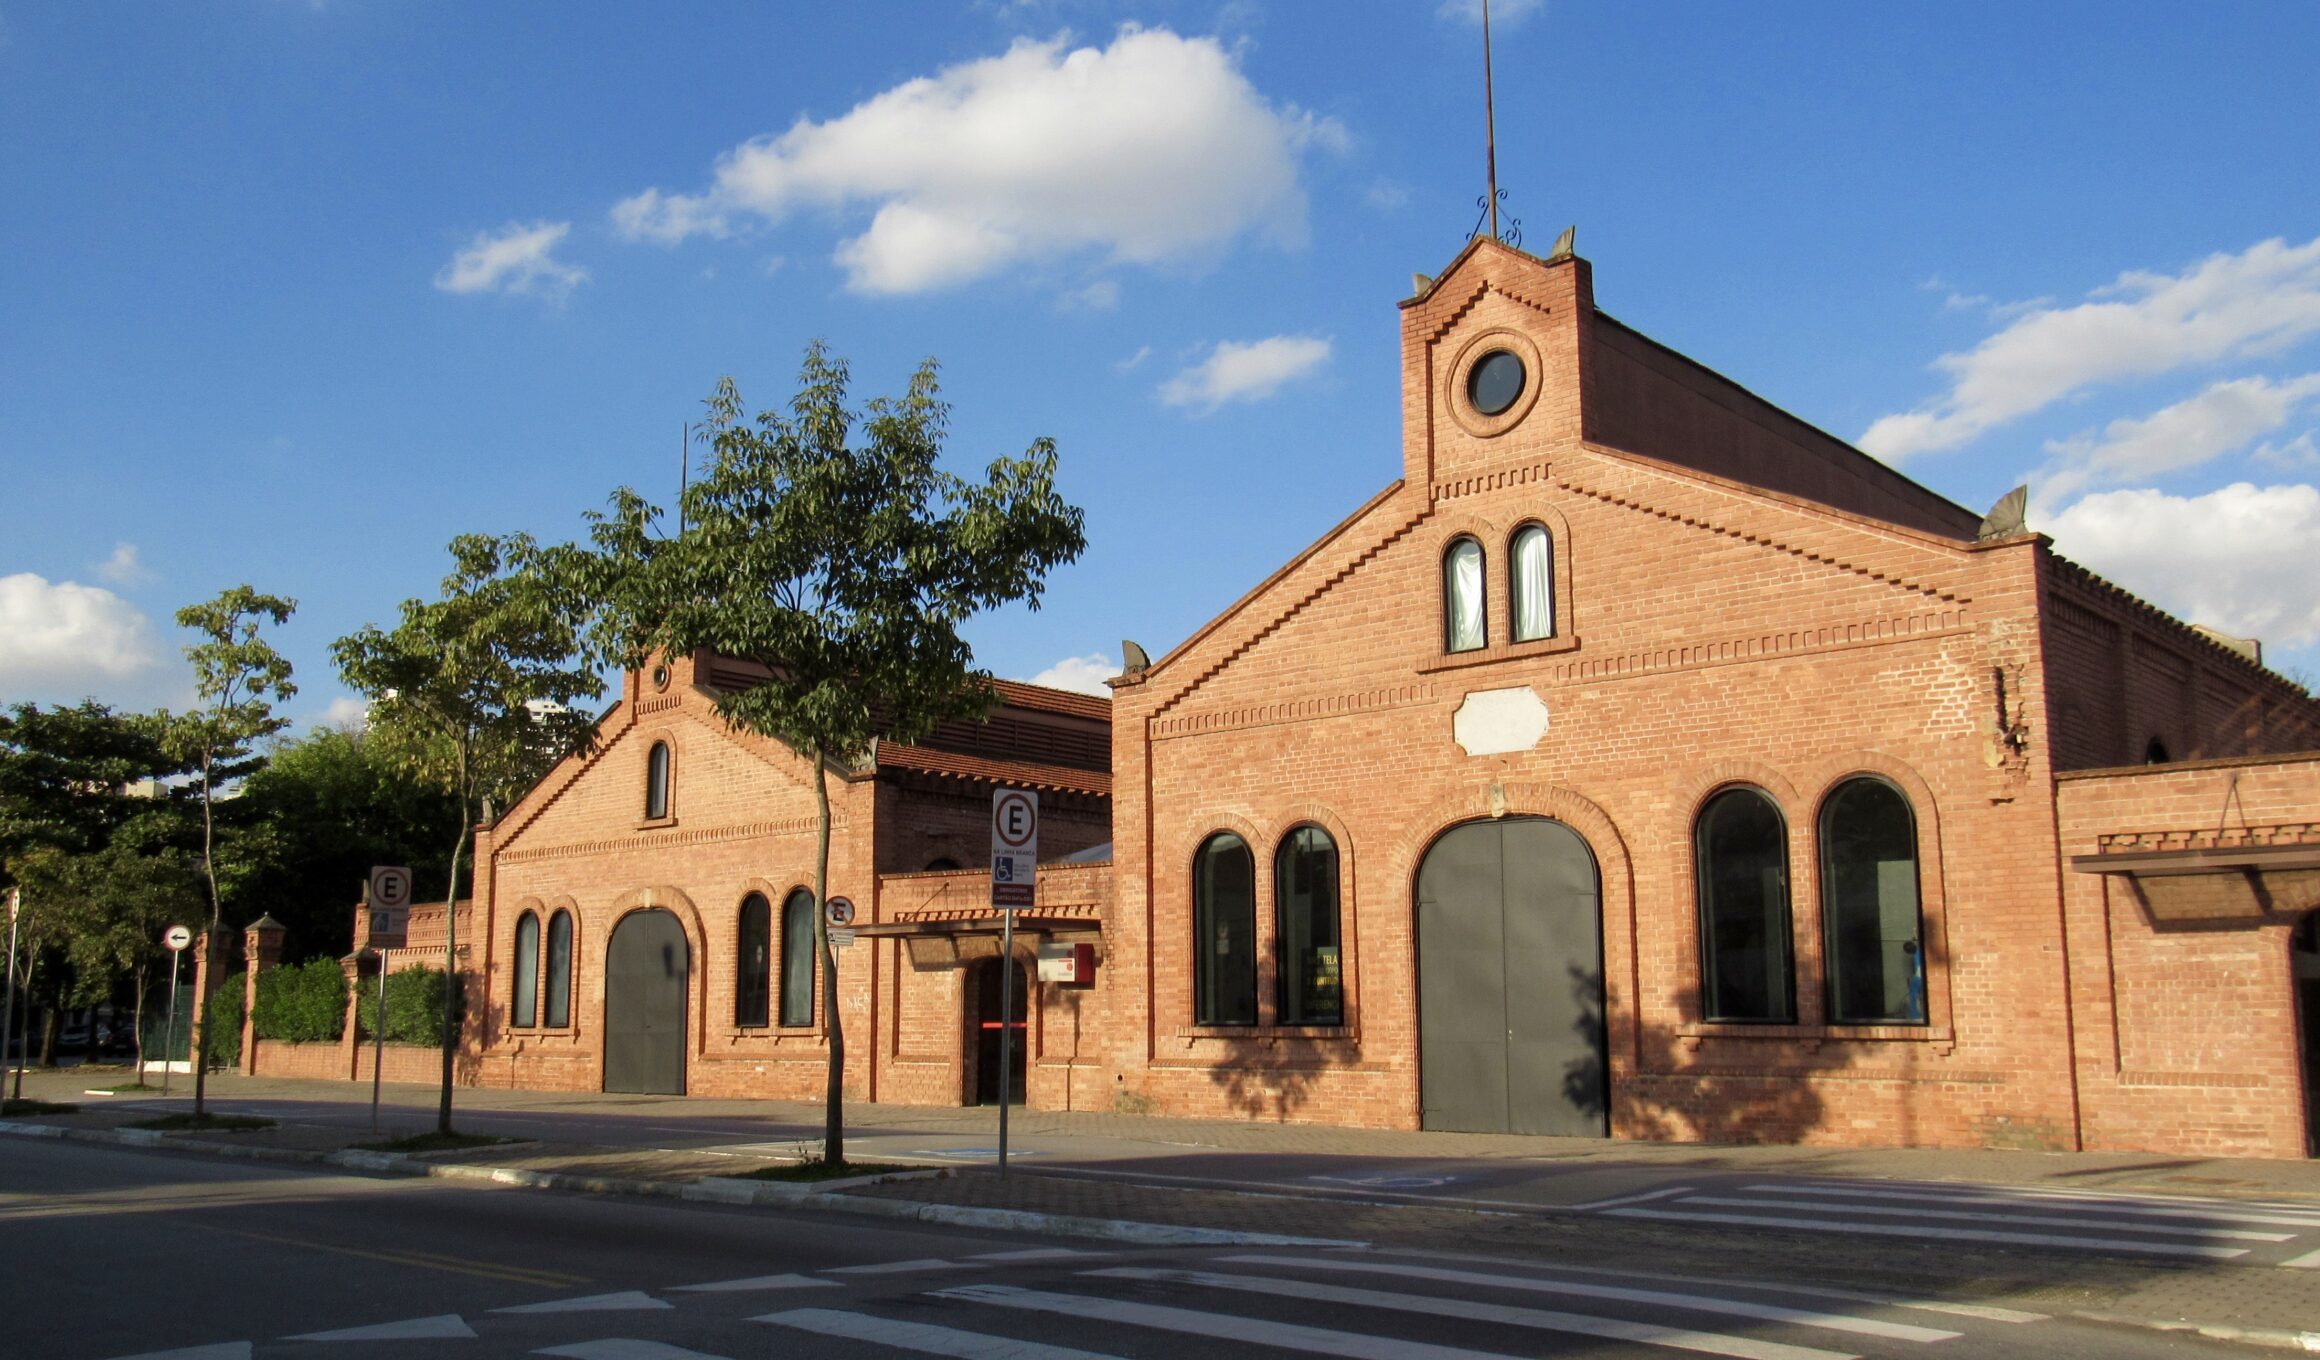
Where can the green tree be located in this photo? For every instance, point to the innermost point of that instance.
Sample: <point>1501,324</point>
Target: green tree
<point>239,678</point>
<point>327,807</point>
<point>844,566</point>
<point>472,693</point>
<point>100,845</point>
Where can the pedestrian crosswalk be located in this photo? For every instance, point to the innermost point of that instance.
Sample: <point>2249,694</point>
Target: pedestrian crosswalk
<point>2145,1226</point>
<point>1060,1304</point>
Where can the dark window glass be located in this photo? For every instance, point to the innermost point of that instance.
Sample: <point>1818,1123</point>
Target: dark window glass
<point>1462,626</point>
<point>656,782</point>
<point>559,970</point>
<point>797,959</point>
<point>1876,957</point>
<point>526,1011</point>
<point>753,969</point>
<point>1224,932</point>
<point>941,863</point>
<point>1530,579</point>
<point>1311,976</point>
<point>1496,383</point>
<point>1741,847</point>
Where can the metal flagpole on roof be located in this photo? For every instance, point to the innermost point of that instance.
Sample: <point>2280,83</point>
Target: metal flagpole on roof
<point>1489,124</point>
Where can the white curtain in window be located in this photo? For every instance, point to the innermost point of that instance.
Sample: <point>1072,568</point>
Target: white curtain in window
<point>1533,574</point>
<point>1462,581</point>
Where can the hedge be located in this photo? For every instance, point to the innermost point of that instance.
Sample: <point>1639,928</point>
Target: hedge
<point>414,1007</point>
<point>224,1021</point>
<point>304,1004</point>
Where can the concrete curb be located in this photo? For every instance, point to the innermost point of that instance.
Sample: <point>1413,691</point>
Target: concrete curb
<point>2273,1337</point>
<point>825,1197</point>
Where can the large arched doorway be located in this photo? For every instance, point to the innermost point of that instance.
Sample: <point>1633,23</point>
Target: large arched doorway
<point>646,968</point>
<point>1510,981</point>
<point>2304,970</point>
<point>983,995</point>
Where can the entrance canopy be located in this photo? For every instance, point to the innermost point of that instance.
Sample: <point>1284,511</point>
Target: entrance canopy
<point>953,941</point>
<point>2240,875</point>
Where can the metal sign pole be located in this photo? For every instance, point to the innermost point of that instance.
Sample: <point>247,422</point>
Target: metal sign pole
<point>379,1043</point>
<point>169,1036</point>
<point>1006,1027</point>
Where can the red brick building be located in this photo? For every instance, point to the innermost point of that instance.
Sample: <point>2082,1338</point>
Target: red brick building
<point>1641,762</point>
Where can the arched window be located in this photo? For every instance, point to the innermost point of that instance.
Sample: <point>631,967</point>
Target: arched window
<point>1740,848</point>
<point>1869,909</point>
<point>525,1013</point>
<point>753,963</point>
<point>1224,932</point>
<point>559,1006</point>
<point>656,782</point>
<point>1310,972</point>
<point>1530,579</point>
<point>1463,629</point>
<point>797,959</point>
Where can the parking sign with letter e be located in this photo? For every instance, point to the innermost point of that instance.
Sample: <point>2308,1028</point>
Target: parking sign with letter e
<point>1014,848</point>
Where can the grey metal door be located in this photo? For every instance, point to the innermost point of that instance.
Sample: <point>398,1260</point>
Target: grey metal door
<point>1510,981</point>
<point>646,965</point>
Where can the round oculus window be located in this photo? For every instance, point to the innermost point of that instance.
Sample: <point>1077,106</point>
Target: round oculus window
<point>1496,382</point>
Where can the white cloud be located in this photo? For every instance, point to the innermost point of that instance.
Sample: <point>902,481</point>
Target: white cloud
<point>2225,417</point>
<point>1153,149</point>
<point>1504,12</point>
<point>123,568</point>
<point>1142,353</point>
<point>2298,453</point>
<point>1245,371</point>
<point>2258,301</point>
<point>1385,195</point>
<point>1082,674</point>
<point>347,712</point>
<point>2238,558</point>
<point>518,258</point>
<point>66,637</point>
<point>1102,295</point>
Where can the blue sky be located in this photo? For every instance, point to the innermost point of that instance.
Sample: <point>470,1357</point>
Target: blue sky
<point>291,293</point>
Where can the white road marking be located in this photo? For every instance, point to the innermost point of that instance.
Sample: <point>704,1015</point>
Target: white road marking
<point>1465,1310</point>
<point>626,1348</point>
<point>899,1267</point>
<point>441,1327</point>
<point>2308,1261</point>
<point>1941,1234</point>
<point>1629,1199</point>
<point>223,1350</point>
<point>1978,1216</point>
<point>2075,1204</point>
<point>1034,1254</point>
<point>752,1283</point>
<point>627,1301</point>
<point>922,1337</point>
<point>1698,1303</point>
<point>1986,1312</point>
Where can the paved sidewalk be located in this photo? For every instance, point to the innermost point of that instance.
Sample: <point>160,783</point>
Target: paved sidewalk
<point>1103,1174</point>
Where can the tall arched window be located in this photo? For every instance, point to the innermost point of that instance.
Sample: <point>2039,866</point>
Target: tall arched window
<point>559,1006</point>
<point>753,963</point>
<point>797,959</point>
<point>1463,629</point>
<point>525,1013</point>
<point>656,782</point>
<point>1310,973</point>
<point>1224,932</point>
<point>1740,847</point>
<point>1869,906</point>
<point>1530,579</point>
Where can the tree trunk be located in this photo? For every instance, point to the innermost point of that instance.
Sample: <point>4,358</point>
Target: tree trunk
<point>834,1113</point>
<point>207,976</point>
<point>451,983</point>
<point>137,1023</point>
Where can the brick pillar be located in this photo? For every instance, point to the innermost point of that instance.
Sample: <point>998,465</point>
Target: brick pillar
<point>262,946</point>
<point>360,966</point>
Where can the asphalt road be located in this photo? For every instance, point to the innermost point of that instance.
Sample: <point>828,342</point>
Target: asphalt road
<point>113,1253</point>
